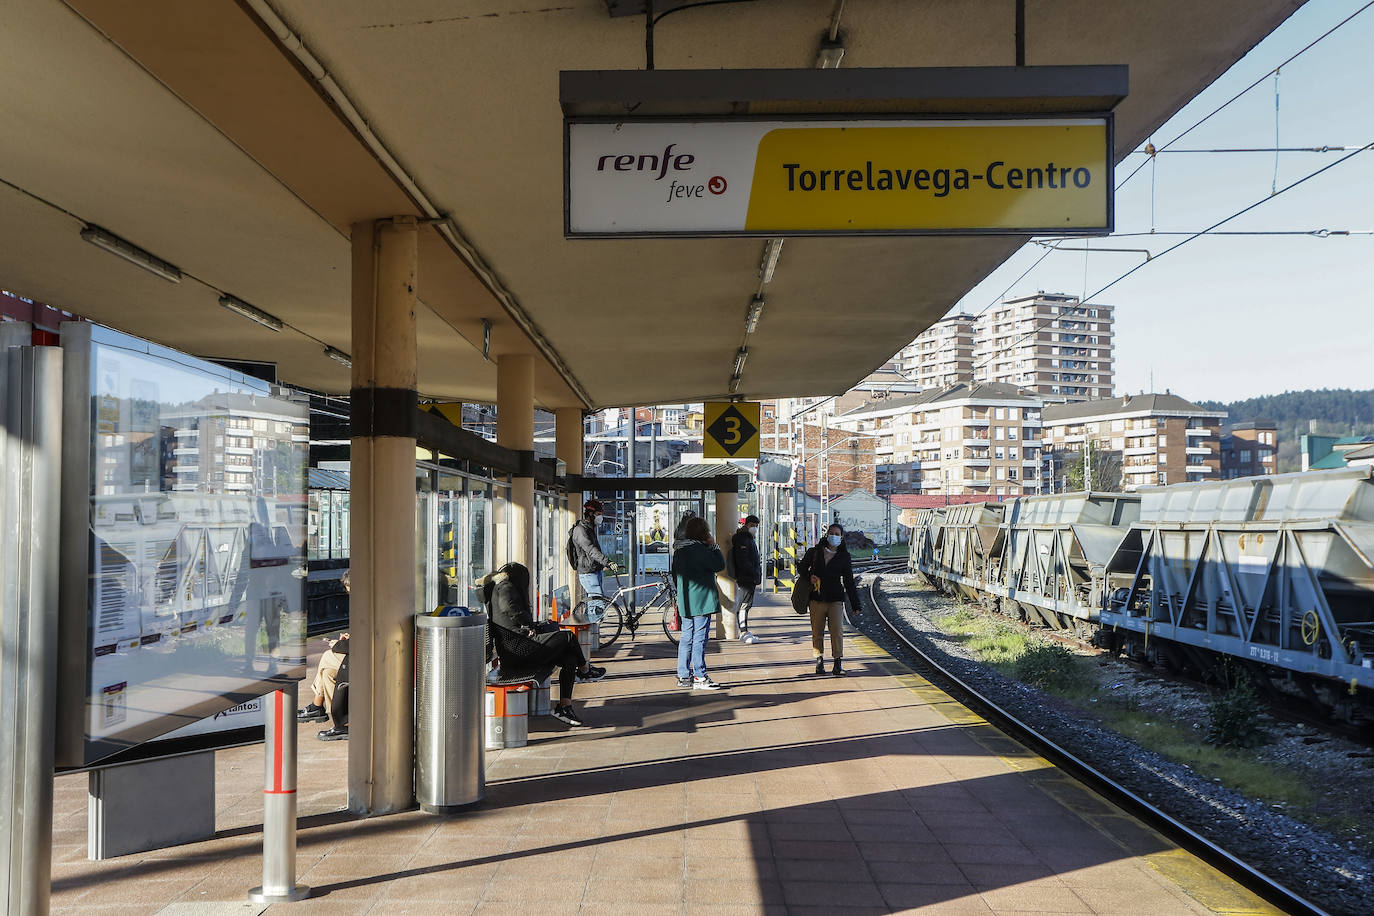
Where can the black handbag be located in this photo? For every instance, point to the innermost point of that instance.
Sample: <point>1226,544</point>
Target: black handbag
<point>801,595</point>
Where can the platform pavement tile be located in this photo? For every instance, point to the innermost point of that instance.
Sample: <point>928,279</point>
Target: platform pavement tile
<point>822,870</point>
<point>979,854</point>
<point>603,889</point>
<point>730,868</point>
<point>793,830</point>
<point>641,847</point>
<point>635,869</point>
<point>903,852</point>
<point>934,897</point>
<point>711,909</point>
<point>920,871</point>
<point>1043,897</point>
<point>831,893</point>
<point>530,908</point>
<point>534,889</point>
<point>407,908</point>
<point>733,892</point>
<point>438,885</point>
<point>893,833</point>
<point>987,876</point>
<point>120,909</point>
<point>708,847</point>
<point>346,866</point>
<point>464,846</point>
<point>953,835</point>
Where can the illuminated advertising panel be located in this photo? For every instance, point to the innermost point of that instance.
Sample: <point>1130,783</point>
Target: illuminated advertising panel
<point>184,538</point>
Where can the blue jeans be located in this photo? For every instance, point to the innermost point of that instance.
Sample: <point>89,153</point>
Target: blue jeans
<point>691,646</point>
<point>591,584</point>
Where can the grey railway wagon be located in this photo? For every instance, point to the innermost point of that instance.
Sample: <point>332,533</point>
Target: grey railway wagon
<point>1052,560</point>
<point>1274,570</point>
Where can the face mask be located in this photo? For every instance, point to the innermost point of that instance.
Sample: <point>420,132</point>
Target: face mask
<point>596,519</point>
<point>753,529</point>
<point>834,540</point>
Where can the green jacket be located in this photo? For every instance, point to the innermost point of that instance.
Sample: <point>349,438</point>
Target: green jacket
<point>694,569</point>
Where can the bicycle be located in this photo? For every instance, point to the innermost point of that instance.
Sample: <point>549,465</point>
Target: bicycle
<point>617,616</point>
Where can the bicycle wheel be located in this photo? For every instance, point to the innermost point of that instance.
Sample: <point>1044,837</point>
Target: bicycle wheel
<point>672,635</point>
<point>611,624</point>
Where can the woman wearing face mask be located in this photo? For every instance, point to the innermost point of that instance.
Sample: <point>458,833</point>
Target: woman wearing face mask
<point>832,580</point>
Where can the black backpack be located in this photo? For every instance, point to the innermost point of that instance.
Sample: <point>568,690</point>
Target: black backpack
<point>572,548</point>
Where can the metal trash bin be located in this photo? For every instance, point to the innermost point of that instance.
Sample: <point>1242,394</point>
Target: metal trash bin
<point>450,669</point>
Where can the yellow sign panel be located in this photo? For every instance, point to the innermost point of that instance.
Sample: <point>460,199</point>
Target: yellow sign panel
<point>732,430</point>
<point>968,176</point>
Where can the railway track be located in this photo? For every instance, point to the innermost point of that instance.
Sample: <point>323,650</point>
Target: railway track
<point>1230,865</point>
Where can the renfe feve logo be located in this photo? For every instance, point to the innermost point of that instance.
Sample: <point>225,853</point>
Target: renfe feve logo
<point>658,165</point>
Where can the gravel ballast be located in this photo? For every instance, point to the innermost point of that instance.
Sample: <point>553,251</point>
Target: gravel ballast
<point>1337,876</point>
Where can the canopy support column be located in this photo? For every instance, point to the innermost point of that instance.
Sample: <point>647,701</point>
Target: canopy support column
<point>382,600</point>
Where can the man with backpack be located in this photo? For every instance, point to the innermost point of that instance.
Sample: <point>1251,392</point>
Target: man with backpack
<point>584,549</point>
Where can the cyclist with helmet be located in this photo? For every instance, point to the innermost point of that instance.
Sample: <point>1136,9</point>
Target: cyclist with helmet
<point>584,549</point>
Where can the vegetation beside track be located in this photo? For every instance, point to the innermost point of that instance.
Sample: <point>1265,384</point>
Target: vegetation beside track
<point>1057,670</point>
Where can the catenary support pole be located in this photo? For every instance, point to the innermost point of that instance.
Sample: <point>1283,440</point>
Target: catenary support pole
<point>383,599</point>
<point>30,463</point>
<point>279,803</point>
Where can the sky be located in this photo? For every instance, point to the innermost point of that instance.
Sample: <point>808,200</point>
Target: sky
<point>1225,318</point>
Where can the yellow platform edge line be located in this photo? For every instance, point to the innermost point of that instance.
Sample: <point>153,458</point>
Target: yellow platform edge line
<point>1194,877</point>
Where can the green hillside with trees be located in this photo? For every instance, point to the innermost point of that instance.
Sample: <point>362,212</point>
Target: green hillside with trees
<point>1327,412</point>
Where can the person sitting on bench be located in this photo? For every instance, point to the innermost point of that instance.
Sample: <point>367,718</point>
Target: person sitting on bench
<point>325,685</point>
<point>506,593</point>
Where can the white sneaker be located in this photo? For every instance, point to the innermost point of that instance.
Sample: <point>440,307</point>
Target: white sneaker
<point>704,683</point>
<point>748,638</point>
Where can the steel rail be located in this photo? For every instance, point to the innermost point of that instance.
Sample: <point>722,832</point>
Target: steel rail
<point>1244,874</point>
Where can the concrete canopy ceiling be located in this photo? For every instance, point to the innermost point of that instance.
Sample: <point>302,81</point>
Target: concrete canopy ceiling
<point>193,131</point>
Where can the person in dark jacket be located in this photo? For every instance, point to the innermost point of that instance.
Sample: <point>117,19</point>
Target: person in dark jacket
<point>832,580</point>
<point>584,550</point>
<point>748,575</point>
<point>506,593</point>
<point>696,560</point>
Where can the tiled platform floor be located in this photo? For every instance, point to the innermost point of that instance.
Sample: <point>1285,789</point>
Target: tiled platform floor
<point>783,793</point>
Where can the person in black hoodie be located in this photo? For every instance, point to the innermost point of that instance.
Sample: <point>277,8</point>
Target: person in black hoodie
<point>748,574</point>
<point>506,593</point>
<point>832,580</point>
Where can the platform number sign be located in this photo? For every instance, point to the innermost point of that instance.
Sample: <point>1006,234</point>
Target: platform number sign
<point>732,430</point>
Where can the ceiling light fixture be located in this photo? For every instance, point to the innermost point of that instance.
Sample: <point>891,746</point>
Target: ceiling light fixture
<point>130,252</point>
<point>339,356</point>
<point>252,313</point>
<point>740,356</point>
<point>771,249</point>
<point>751,323</point>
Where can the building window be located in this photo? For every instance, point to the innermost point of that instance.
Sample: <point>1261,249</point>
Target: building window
<point>1163,439</point>
<point>1001,473</point>
<point>1011,473</point>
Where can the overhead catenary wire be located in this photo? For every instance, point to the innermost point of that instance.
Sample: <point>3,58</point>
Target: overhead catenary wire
<point>1196,235</point>
<point>1205,118</point>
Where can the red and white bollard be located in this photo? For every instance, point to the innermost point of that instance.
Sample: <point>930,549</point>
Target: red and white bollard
<point>279,804</point>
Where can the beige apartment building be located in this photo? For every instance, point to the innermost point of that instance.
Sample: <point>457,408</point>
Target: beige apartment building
<point>964,439</point>
<point>1049,344</point>
<point>1159,438</point>
<point>942,356</point>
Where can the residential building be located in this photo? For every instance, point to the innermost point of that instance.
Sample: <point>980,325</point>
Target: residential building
<point>1320,453</point>
<point>1049,344</point>
<point>941,356</point>
<point>964,439</point>
<point>1248,450</point>
<point>1159,438</point>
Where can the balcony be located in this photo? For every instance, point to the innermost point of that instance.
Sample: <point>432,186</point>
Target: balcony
<point>978,443</point>
<point>1199,450</point>
<point>976,462</point>
<point>1200,469</point>
<point>1139,450</point>
<point>186,451</point>
<point>1199,431</point>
